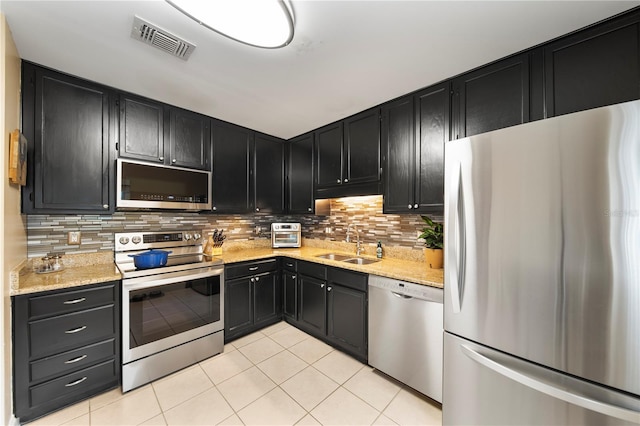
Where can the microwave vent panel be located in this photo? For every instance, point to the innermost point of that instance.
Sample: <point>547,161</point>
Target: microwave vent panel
<point>153,35</point>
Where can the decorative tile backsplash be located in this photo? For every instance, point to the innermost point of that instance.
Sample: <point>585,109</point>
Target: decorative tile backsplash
<point>48,233</point>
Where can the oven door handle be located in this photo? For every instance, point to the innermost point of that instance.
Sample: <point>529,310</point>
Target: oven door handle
<point>170,278</point>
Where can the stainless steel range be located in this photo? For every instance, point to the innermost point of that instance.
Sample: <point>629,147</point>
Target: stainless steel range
<point>173,315</point>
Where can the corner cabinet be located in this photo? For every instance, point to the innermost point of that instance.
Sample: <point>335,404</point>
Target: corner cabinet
<point>66,347</point>
<point>158,133</point>
<point>414,131</point>
<point>67,123</point>
<point>299,181</point>
<point>348,157</point>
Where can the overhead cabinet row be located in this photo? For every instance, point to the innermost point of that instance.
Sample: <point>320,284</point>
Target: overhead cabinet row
<point>76,129</point>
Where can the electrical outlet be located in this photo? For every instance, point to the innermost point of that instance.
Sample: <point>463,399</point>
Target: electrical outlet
<point>327,230</point>
<point>74,237</point>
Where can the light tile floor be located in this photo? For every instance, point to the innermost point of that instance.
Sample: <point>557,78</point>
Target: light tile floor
<point>276,376</point>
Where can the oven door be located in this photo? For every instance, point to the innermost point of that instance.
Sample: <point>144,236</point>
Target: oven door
<point>285,239</point>
<point>166,310</point>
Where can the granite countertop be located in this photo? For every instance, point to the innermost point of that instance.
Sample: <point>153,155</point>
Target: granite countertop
<point>406,270</point>
<point>93,268</point>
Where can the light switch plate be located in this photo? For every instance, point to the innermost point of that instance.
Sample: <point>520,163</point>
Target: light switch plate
<point>74,237</point>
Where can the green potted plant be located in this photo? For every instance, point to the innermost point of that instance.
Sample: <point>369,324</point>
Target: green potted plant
<point>433,236</point>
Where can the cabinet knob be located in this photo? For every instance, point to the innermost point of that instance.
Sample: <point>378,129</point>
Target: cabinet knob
<point>105,206</point>
<point>321,285</point>
<point>338,181</point>
<point>346,180</point>
<point>161,159</point>
<point>174,160</point>
<point>415,206</point>
<point>410,206</point>
<point>253,280</point>
<point>309,209</point>
<point>328,288</point>
<point>293,277</point>
<point>257,279</point>
<point>214,208</point>
<point>257,209</point>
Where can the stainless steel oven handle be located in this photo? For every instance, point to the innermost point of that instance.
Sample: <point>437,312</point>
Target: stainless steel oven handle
<point>170,278</point>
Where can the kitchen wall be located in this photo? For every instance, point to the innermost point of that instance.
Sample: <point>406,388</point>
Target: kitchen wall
<point>48,233</point>
<point>12,226</point>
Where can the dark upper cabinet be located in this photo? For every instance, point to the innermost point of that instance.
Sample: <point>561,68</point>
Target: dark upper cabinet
<point>67,124</point>
<point>159,133</point>
<point>231,146</point>
<point>189,139</point>
<point>492,97</point>
<point>299,182</point>
<point>141,129</point>
<point>329,155</point>
<point>414,130</point>
<point>595,67</point>
<point>268,174</point>
<point>348,156</point>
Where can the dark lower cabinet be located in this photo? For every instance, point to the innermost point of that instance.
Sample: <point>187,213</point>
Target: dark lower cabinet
<point>66,347</point>
<point>253,297</point>
<point>333,306</point>
<point>67,123</point>
<point>289,289</point>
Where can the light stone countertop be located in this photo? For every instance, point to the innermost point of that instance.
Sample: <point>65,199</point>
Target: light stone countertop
<point>93,268</point>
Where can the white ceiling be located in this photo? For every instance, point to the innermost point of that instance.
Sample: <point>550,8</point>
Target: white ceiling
<point>346,56</point>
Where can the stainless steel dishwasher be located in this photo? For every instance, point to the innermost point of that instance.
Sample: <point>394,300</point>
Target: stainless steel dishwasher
<point>405,333</point>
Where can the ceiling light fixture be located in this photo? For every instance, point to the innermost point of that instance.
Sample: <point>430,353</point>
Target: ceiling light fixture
<point>260,23</point>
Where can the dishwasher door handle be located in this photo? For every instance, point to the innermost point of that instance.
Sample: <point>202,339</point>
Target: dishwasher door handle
<point>401,296</point>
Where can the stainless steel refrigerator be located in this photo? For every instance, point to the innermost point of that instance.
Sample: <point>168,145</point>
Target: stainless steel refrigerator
<point>542,272</point>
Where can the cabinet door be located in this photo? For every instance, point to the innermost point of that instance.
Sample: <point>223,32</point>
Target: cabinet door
<point>347,319</point>
<point>266,298</point>
<point>70,134</point>
<point>238,313</point>
<point>290,293</point>
<point>432,130</point>
<point>593,68</point>
<point>231,145</point>
<point>313,303</point>
<point>398,136</point>
<point>329,155</point>
<point>190,139</point>
<point>268,174</point>
<point>492,97</point>
<point>362,147</point>
<point>300,175</point>
<point>141,129</point>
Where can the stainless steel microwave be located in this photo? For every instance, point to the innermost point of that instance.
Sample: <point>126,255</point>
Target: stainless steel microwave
<point>151,186</point>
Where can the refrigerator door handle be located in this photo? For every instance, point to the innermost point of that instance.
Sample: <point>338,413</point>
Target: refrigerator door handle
<point>458,250</point>
<point>551,390</point>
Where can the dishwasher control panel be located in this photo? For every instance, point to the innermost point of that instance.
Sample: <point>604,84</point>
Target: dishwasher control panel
<point>408,289</point>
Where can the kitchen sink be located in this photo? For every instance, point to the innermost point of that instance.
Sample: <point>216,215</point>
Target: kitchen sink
<point>360,260</point>
<point>333,256</point>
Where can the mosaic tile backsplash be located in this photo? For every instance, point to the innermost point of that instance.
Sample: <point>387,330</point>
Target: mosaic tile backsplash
<point>48,233</point>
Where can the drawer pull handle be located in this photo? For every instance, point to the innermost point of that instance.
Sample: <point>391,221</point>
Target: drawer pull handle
<point>73,361</point>
<point>255,268</point>
<point>77,382</point>
<point>290,265</point>
<point>74,301</point>
<point>76,330</point>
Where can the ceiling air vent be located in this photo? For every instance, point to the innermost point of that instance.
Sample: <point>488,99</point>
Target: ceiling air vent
<point>151,34</point>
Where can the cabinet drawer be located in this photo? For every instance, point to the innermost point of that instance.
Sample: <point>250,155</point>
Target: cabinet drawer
<point>51,335</point>
<point>70,301</point>
<point>75,383</point>
<point>349,279</point>
<point>312,270</point>
<point>289,264</point>
<point>250,268</point>
<point>67,362</point>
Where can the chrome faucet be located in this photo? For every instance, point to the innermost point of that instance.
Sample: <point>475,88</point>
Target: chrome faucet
<point>358,246</point>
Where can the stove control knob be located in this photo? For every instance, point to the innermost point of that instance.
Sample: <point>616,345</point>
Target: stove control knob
<point>123,240</point>
<point>136,240</point>
<point>196,236</point>
<point>187,237</point>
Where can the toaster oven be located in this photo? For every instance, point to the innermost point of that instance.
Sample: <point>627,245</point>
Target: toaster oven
<point>286,235</point>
